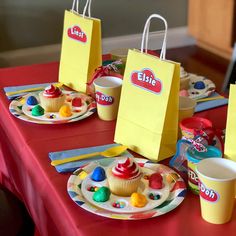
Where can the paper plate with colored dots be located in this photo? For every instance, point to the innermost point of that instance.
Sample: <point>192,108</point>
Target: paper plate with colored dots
<point>154,197</point>
<point>200,87</point>
<point>22,110</point>
<point>55,116</point>
<point>80,188</point>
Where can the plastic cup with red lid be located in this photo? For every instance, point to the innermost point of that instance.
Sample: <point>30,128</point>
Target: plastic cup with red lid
<point>192,126</point>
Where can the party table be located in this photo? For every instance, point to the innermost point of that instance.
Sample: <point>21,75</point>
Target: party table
<point>25,170</point>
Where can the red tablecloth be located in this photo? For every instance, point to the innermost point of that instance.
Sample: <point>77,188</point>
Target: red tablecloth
<point>25,169</point>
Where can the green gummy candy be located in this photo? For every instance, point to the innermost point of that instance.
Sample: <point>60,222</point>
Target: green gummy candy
<point>102,194</point>
<point>37,111</point>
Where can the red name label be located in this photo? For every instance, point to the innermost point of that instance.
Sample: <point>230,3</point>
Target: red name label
<point>146,79</point>
<point>208,194</point>
<point>192,176</point>
<point>103,99</point>
<point>76,33</point>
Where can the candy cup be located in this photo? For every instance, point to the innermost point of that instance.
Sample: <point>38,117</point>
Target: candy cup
<point>217,178</point>
<point>186,108</point>
<point>108,90</point>
<point>193,158</point>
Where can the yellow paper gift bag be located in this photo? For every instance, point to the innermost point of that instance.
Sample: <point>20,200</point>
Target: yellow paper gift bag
<point>147,119</point>
<point>81,51</point>
<point>230,134</point>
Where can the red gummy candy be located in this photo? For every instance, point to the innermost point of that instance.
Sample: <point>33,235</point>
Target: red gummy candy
<point>155,181</point>
<point>77,102</point>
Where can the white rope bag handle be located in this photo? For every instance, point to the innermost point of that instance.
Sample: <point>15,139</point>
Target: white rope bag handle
<point>145,35</point>
<point>75,7</point>
<point>87,7</point>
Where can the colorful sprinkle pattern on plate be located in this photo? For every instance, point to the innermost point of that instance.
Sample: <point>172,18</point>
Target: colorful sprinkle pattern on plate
<point>109,205</point>
<point>54,116</point>
<point>176,195</point>
<point>16,105</point>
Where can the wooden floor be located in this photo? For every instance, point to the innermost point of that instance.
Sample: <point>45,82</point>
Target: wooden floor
<point>202,62</point>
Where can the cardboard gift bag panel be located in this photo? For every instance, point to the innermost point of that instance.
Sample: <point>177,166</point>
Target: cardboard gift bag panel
<point>147,119</point>
<point>81,51</point>
<point>230,133</point>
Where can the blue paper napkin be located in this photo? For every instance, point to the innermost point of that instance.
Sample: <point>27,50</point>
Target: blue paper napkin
<point>202,106</point>
<point>72,166</point>
<point>22,87</point>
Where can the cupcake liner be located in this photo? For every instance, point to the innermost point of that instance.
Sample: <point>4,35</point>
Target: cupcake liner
<point>122,187</point>
<point>52,104</point>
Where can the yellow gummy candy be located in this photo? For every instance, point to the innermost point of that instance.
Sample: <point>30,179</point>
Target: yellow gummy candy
<point>65,111</point>
<point>138,200</point>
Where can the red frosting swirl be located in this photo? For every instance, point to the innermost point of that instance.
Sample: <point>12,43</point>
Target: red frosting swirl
<point>126,170</point>
<point>52,92</point>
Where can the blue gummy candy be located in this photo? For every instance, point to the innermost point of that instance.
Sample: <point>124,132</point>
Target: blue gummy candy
<point>199,85</point>
<point>98,174</point>
<point>32,101</point>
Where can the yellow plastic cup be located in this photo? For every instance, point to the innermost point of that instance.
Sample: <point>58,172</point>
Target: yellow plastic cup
<point>216,178</point>
<point>193,158</point>
<point>186,107</point>
<point>107,89</point>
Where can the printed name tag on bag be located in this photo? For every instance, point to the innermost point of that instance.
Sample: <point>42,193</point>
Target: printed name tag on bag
<point>76,33</point>
<point>146,79</point>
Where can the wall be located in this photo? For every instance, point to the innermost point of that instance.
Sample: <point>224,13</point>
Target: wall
<point>30,23</point>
